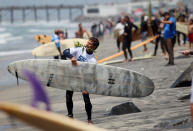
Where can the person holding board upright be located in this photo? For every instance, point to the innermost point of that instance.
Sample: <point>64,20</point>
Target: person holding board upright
<point>83,54</point>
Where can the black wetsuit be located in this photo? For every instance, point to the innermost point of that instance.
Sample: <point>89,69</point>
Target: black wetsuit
<point>69,103</point>
<point>156,31</point>
<point>69,94</point>
<point>128,38</point>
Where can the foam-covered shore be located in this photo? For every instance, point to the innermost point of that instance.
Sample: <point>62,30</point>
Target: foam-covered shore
<point>160,111</point>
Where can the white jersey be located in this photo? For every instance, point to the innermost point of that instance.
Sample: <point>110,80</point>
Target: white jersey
<point>81,55</point>
<point>120,27</point>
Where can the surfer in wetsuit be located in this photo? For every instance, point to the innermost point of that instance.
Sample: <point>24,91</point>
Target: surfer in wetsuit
<point>127,39</point>
<point>58,35</point>
<point>83,54</point>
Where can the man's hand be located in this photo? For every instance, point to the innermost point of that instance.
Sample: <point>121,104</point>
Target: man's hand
<point>124,34</point>
<point>84,92</point>
<point>166,22</point>
<point>74,61</point>
<point>60,53</point>
<point>186,52</point>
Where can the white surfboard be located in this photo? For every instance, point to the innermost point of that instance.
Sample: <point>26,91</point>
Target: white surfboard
<point>182,27</point>
<point>95,78</point>
<point>87,35</point>
<point>50,49</point>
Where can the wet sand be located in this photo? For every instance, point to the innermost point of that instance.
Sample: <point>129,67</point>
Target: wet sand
<point>160,111</point>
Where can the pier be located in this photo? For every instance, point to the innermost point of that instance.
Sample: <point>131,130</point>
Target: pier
<point>36,9</point>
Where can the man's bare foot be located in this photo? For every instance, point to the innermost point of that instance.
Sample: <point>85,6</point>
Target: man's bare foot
<point>145,50</point>
<point>131,60</point>
<point>166,57</point>
<point>125,61</point>
<point>90,122</point>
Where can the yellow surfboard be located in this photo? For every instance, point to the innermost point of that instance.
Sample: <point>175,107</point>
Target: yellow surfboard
<point>132,48</point>
<point>45,120</point>
<point>43,39</point>
<point>50,49</point>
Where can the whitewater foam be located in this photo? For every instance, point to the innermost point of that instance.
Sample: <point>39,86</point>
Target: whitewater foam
<point>8,53</point>
<point>4,35</point>
<point>3,41</point>
<point>2,29</point>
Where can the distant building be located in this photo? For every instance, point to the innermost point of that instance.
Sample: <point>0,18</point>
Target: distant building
<point>113,9</point>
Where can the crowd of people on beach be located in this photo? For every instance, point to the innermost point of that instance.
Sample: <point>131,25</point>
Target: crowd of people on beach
<point>162,25</point>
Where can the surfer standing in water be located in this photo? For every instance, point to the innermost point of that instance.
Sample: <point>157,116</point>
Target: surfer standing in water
<point>83,54</point>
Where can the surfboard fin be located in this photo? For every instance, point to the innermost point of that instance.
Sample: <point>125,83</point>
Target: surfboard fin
<point>38,91</point>
<point>16,74</point>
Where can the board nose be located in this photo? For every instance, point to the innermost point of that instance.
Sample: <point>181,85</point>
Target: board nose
<point>10,68</point>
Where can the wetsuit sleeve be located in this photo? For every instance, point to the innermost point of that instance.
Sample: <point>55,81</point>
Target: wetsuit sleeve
<point>67,54</point>
<point>191,52</point>
<point>136,28</point>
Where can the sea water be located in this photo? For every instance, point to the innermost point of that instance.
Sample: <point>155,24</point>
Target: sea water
<point>16,40</point>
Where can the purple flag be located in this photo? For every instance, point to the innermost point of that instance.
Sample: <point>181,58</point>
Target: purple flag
<point>38,90</point>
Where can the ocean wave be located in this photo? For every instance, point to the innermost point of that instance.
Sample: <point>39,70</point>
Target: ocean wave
<point>8,39</point>
<point>2,29</point>
<point>4,35</point>
<point>42,23</point>
<point>3,41</point>
<point>7,53</point>
<point>39,30</point>
<point>63,24</point>
<point>14,38</point>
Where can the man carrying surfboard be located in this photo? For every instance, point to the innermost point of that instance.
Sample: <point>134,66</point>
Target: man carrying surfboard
<point>83,54</point>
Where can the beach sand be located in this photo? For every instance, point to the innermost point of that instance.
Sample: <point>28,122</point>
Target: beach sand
<point>160,111</point>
